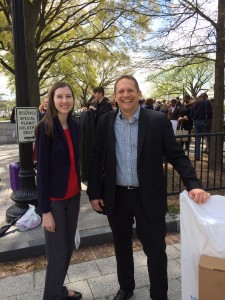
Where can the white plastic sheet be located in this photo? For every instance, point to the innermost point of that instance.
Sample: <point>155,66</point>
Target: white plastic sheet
<point>202,229</point>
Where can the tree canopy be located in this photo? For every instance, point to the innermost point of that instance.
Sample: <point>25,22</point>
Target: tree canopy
<point>184,77</point>
<point>56,29</point>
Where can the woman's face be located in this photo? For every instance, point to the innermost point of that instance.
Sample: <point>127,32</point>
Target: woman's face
<point>63,100</point>
<point>45,104</point>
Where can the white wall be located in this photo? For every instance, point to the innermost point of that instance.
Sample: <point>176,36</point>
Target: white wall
<point>6,133</point>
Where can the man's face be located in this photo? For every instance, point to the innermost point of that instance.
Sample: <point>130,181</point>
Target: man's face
<point>97,96</point>
<point>173,103</point>
<point>186,100</point>
<point>127,95</point>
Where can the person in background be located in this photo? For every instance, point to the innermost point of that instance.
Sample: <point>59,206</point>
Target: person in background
<point>173,114</point>
<point>58,186</point>
<point>141,102</point>
<point>165,107</point>
<point>42,111</point>
<point>178,102</point>
<point>148,103</point>
<point>114,105</point>
<point>201,113</point>
<point>13,121</point>
<point>43,107</point>
<point>100,104</point>
<point>185,121</point>
<point>129,184</point>
<point>12,117</point>
<point>158,106</point>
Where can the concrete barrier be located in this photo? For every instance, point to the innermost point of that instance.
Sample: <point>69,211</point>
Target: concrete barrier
<point>6,132</point>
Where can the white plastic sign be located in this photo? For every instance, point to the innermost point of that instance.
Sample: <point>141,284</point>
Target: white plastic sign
<point>26,120</point>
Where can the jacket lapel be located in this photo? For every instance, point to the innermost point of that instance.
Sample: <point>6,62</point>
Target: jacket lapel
<point>110,135</point>
<point>60,129</point>
<point>142,129</point>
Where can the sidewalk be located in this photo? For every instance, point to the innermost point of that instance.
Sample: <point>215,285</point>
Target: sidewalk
<point>96,279</point>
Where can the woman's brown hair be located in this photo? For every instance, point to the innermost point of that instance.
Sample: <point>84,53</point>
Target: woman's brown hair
<point>52,112</point>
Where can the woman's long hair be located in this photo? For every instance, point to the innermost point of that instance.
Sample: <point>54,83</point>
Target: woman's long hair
<point>51,111</point>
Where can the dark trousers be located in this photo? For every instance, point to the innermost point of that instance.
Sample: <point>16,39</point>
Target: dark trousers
<point>152,236</point>
<point>200,127</point>
<point>59,246</point>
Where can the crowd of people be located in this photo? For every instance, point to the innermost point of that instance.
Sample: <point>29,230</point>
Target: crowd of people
<point>191,115</point>
<point>124,182</point>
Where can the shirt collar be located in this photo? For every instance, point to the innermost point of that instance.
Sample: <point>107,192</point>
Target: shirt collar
<point>135,115</point>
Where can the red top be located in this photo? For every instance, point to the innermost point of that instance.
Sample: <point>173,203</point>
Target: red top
<point>73,185</point>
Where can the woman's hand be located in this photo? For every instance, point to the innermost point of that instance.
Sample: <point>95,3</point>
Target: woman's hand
<point>48,222</point>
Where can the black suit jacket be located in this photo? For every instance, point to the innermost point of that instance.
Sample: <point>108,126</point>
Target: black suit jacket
<point>155,140</point>
<point>53,162</point>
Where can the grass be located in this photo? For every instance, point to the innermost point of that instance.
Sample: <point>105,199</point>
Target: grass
<point>4,119</point>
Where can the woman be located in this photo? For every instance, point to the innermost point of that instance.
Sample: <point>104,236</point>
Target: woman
<point>58,184</point>
<point>43,107</point>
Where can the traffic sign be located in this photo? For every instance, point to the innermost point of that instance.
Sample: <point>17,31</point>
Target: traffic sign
<point>26,120</point>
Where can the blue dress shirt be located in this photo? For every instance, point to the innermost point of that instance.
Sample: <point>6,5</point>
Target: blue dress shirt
<point>126,135</point>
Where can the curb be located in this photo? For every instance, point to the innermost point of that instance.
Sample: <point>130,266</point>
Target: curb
<point>88,237</point>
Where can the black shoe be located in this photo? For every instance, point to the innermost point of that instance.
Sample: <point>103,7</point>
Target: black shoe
<point>122,295</point>
<point>76,296</point>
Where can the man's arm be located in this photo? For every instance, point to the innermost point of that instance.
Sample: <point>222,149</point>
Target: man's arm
<point>183,166</point>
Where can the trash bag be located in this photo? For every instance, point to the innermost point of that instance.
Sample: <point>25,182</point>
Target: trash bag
<point>29,220</point>
<point>202,228</point>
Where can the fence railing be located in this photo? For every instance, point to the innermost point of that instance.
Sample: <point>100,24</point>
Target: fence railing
<point>209,171</point>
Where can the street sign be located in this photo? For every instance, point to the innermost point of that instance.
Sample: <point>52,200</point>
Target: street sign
<point>26,120</point>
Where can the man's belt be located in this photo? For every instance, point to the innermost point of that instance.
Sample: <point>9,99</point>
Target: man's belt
<point>129,187</point>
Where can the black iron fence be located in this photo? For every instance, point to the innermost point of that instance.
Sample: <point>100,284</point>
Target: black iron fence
<point>210,166</point>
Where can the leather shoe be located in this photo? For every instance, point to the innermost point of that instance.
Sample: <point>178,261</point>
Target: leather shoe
<point>76,296</point>
<point>122,295</point>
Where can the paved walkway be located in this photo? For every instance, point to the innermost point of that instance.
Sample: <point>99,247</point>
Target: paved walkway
<point>96,278</point>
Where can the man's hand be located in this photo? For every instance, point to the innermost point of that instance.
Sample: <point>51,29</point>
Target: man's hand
<point>199,196</point>
<point>91,107</point>
<point>48,222</point>
<point>97,204</point>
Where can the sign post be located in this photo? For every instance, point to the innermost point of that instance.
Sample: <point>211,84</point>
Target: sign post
<point>27,193</point>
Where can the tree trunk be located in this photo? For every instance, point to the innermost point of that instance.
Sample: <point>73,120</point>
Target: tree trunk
<point>218,105</point>
<point>31,11</point>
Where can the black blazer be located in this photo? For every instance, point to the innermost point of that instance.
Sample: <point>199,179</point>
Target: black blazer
<point>155,140</point>
<point>53,162</point>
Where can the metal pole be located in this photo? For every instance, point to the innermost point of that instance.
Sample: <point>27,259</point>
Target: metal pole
<point>27,193</point>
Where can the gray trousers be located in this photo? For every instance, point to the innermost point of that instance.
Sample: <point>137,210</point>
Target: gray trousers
<point>59,246</point>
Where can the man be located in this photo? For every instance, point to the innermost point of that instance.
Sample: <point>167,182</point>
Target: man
<point>101,103</point>
<point>173,114</point>
<point>185,121</point>
<point>127,182</point>
<point>88,121</point>
<point>201,114</point>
